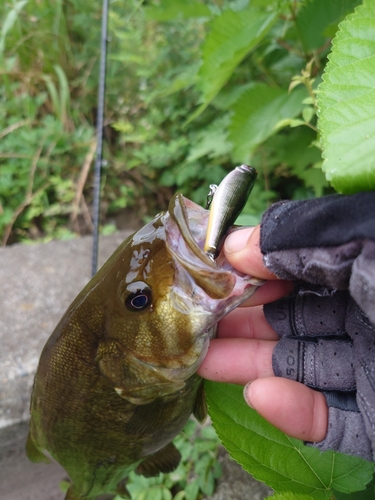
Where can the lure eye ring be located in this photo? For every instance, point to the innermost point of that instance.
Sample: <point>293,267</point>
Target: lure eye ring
<point>139,297</point>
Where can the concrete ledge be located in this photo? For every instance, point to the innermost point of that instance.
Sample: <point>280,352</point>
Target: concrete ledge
<point>37,284</point>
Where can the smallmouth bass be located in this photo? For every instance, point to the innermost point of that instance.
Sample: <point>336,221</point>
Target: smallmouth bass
<point>116,380</point>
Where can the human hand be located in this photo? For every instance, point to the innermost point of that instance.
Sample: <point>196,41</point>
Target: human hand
<point>329,245</point>
<point>242,351</point>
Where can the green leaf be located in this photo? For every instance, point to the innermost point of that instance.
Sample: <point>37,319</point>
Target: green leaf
<point>9,22</point>
<point>318,18</point>
<point>232,36</point>
<point>64,486</point>
<point>53,93</point>
<point>64,98</point>
<point>180,496</point>
<point>296,151</point>
<point>192,490</point>
<point>347,105</point>
<point>308,113</point>
<point>256,114</point>
<point>285,464</point>
<point>166,494</point>
<point>171,10</point>
<point>213,142</point>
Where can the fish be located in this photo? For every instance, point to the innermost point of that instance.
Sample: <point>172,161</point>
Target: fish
<point>116,380</point>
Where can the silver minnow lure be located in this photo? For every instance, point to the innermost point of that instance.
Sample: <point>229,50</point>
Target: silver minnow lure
<point>228,200</point>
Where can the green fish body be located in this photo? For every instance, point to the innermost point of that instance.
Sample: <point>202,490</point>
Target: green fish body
<point>116,380</point>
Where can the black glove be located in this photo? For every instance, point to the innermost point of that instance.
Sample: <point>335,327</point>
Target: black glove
<point>327,342</point>
<point>326,241</point>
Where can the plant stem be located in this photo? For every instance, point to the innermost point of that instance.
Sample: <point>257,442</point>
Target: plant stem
<point>81,183</point>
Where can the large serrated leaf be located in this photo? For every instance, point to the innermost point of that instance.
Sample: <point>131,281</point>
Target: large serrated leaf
<point>283,463</point>
<point>347,104</point>
<point>256,114</point>
<point>232,36</point>
<point>317,18</point>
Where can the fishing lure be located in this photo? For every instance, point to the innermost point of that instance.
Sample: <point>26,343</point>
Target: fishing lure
<point>226,202</point>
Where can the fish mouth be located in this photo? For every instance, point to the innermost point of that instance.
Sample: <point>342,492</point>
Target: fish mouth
<point>186,228</point>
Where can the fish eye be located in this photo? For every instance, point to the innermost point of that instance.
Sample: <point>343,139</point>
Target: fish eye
<point>139,297</point>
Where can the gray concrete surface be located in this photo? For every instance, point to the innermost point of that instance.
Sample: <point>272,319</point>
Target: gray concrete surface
<point>37,283</point>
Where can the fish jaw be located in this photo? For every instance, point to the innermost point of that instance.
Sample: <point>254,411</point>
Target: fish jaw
<point>202,287</point>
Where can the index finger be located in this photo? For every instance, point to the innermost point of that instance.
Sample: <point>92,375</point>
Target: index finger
<point>246,322</point>
<point>237,361</point>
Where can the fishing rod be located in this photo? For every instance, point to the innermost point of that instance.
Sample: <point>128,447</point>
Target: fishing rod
<point>99,134</point>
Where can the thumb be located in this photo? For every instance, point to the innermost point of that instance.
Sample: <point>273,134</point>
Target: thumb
<point>242,249</point>
<point>292,407</point>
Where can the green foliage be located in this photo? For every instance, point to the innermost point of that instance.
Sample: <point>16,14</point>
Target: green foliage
<point>285,464</point>
<point>196,474</point>
<point>150,71</point>
<point>257,113</point>
<point>231,37</point>
<point>346,100</point>
<point>318,19</point>
<point>192,89</point>
<point>34,180</point>
<point>43,142</point>
<point>167,62</point>
<point>9,20</point>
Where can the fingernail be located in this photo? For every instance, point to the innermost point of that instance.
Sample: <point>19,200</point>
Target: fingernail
<point>246,395</point>
<point>237,240</point>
